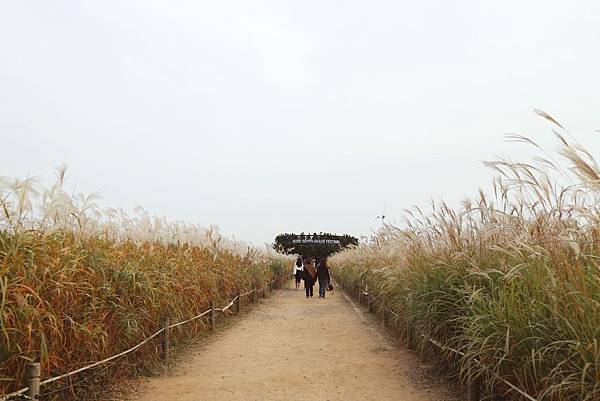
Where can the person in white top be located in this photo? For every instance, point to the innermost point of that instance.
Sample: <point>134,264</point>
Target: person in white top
<point>298,271</point>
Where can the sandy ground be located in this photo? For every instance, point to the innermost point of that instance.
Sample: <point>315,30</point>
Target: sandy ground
<point>293,348</point>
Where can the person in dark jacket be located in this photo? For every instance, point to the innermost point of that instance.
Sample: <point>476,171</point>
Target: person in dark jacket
<point>323,276</point>
<point>310,276</point>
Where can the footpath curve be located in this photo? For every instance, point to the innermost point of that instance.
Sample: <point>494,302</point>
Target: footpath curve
<point>293,348</point>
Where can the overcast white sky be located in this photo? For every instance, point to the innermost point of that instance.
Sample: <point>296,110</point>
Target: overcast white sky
<point>277,116</point>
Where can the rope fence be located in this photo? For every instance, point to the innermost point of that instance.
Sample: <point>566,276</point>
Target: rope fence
<point>474,384</point>
<point>189,320</point>
<point>17,395</point>
<point>229,305</point>
<point>33,370</point>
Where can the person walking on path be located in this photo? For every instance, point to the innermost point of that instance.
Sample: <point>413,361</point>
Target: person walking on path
<point>298,271</point>
<point>310,276</point>
<point>323,276</point>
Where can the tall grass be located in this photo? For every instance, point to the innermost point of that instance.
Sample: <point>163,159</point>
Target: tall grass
<point>79,284</point>
<point>510,278</point>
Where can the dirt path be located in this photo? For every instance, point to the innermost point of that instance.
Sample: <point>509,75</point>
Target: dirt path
<point>293,348</point>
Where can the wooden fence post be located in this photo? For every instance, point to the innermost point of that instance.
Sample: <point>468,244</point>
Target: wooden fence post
<point>370,302</point>
<point>238,305</point>
<point>359,295</point>
<point>165,339</point>
<point>254,296</point>
<point>211,314</point>
<point>474,389</point>
<point>32,380</point>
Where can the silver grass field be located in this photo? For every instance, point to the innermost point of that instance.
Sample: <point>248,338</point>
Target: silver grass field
<point>79,284</point>
<point>511,278</point>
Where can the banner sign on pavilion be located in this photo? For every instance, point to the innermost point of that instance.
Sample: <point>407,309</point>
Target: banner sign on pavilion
<point>315,241</point>
<point>315,245</point>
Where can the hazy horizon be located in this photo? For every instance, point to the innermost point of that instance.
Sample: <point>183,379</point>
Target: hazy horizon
<point>276,117</point>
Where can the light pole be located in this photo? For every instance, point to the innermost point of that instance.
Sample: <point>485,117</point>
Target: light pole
<point>382,217</point>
